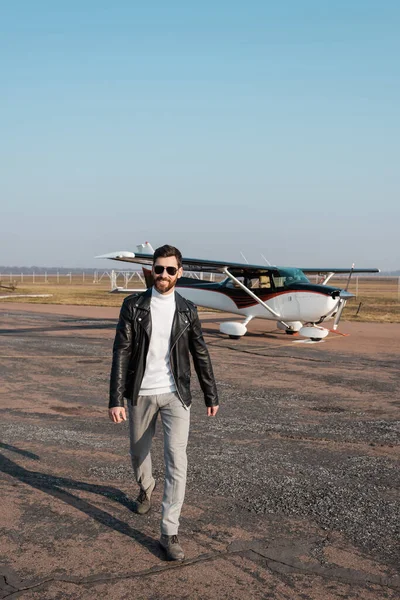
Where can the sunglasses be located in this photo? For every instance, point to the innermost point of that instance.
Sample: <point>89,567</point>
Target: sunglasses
<point>158,269</point>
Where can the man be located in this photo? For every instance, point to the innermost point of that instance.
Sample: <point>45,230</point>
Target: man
<point>157,330</point>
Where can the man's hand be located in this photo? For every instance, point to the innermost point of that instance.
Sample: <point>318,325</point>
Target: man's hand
<point>212,411</point>
<point>117,414</point>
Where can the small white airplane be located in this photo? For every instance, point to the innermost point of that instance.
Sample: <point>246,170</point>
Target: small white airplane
<point>281,294</point>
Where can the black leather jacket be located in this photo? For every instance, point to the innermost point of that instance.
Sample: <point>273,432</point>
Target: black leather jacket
<point>132,343</point>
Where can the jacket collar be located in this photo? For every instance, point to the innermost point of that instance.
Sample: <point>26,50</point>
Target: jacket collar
<point>144,300</point>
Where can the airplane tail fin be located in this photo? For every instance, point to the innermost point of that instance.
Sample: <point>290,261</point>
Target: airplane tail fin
<point>145,248</point>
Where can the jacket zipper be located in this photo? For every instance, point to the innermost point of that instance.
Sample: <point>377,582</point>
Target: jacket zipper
<point>172,372</point>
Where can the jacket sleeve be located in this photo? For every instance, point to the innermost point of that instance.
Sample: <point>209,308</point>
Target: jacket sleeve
<point>122,351</point>
<point>202,362</point>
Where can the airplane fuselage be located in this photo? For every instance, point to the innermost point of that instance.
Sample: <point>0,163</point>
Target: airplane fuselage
<point>306,303</point>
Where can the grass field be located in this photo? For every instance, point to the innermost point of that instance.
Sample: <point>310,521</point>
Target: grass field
<point>379,296</point>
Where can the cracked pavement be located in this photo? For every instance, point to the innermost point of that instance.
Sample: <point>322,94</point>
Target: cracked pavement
<point>293,490</point>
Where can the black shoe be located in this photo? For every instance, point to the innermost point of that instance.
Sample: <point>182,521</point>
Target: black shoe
<point>142,502</point>
<point>172,547</point>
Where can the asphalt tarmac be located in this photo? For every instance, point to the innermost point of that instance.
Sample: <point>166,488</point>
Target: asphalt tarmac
<point>293,489</point>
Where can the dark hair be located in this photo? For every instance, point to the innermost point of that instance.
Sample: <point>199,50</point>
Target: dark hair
<point>166,251</point>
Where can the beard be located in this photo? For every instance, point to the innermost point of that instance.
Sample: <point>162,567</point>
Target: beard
<point>163,285</point>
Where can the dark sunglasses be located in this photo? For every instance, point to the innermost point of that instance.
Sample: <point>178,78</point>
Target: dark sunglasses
<point>158,269</point>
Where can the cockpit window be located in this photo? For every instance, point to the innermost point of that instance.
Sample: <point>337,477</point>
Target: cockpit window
<point>253,282</point>
<point>286,276</point>
<point>269,280</point>
<point>233,284</point>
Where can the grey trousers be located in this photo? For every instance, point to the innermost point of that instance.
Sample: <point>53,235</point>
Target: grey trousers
<point>142,426</point>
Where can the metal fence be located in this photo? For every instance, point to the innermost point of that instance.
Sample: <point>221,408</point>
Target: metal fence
<point>113,278</point>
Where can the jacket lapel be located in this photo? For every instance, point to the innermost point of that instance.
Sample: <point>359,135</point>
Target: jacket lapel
<point>181,319</point>
<point>143,312</point>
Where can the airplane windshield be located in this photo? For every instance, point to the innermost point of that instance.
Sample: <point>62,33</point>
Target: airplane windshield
<point>290,275</point>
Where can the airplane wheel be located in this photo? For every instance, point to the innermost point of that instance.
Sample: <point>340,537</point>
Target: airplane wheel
<point>234,337</point>
<point>315,339</point>
<point>290,331</point>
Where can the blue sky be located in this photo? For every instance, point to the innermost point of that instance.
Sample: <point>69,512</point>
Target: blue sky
<point>219,127</point>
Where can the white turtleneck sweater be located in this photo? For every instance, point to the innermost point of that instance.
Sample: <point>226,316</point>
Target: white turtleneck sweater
<point>158,378</point>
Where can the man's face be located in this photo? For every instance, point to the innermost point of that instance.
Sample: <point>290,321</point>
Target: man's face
<point>164,282</point>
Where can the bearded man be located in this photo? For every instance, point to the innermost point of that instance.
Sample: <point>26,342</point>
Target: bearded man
<point>157,332</point>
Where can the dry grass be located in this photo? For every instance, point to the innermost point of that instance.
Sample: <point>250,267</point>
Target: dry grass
<point>378,296</point>
<point>373,309</point>
<point>74,294</point>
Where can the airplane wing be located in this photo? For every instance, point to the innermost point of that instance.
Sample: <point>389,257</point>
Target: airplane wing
<point>337,270</point>
<point>191,264</point>
<point>217,266</point>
